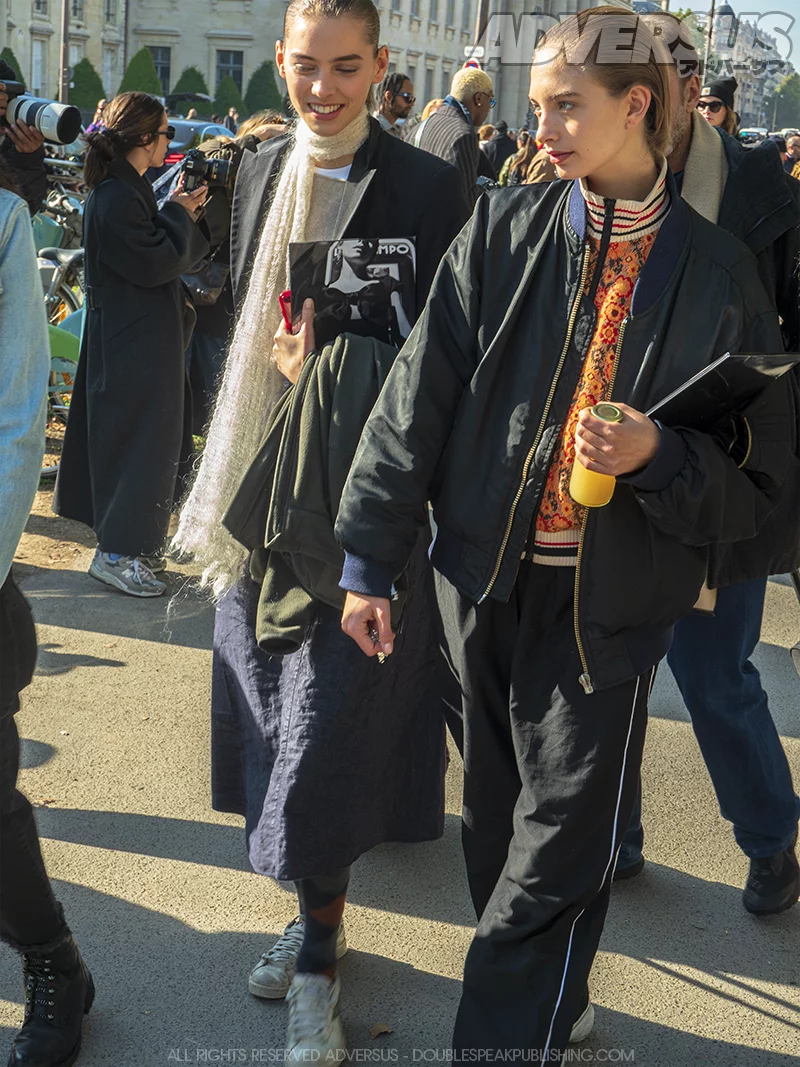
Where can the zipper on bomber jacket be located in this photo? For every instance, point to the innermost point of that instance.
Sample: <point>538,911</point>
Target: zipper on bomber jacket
<point>542,424</point>
<point>584,679</point>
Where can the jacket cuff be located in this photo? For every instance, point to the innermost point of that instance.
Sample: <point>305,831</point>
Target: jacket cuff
<point>367,576</point>
<point>660,471</point>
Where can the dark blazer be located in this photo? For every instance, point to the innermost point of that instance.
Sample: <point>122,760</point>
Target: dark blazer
<point>761,206</point>
<point>448,135</point>
<point>410,195</point>
<point>128,427</point>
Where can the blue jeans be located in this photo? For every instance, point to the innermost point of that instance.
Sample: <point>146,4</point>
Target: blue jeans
<point>710,659</point>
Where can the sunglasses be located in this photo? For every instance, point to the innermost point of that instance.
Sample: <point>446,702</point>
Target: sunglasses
<point>710,105</point>
<point>169,133</point>
<point>407,97</point>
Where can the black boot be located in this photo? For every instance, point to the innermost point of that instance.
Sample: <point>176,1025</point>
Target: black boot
<point>58,993</point>
<point>774,883</point>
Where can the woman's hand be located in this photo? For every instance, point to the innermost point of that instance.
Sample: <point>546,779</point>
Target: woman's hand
<point>616,448</point>
<point>363,614</point>
<point>290,349</point>
<point>191,202</point>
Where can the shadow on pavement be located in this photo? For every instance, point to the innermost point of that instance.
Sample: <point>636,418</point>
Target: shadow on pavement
<point>433,885</point>
<point>60,529</point>
<point>167,992</point>
<point>666,916</point>
<point>34,753</point>
<point>163,985</point>
<point>71,599</point>
<point>51,662</point>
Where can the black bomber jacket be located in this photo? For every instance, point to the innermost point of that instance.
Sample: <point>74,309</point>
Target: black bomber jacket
<point>471,413</point>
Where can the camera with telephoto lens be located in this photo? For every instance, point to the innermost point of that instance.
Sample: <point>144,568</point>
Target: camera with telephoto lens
<point>197,168</point>
<point>57,123</point>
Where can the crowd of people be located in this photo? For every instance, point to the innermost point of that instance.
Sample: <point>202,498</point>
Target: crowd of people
<point>393,539</point>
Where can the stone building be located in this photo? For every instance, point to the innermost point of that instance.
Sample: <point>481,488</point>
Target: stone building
<point>32,29</point>
<point>426,38</point>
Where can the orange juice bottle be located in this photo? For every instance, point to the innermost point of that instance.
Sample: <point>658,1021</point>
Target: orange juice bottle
<point>589,488</point>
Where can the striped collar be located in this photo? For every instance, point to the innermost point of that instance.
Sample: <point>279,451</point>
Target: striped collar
<point>632,218</point>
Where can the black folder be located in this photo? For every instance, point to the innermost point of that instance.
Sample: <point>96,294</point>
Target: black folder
<point>724,387</point>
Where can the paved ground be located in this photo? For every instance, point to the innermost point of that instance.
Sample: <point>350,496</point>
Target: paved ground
<point>170,918</point>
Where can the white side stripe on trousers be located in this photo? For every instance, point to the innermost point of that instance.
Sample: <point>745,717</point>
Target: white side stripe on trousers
<point>610,859</point>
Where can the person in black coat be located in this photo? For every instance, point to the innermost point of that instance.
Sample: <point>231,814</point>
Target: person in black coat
<point>128,431</point>
<point>499,146</point>
<point>324,757</point>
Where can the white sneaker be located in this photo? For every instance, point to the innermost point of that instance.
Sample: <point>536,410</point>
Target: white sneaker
<point>273,974</point>
<point>315,1031</point>
<point>582,1026</point>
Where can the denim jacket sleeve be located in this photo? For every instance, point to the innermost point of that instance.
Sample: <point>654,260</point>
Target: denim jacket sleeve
<point>24,368</point>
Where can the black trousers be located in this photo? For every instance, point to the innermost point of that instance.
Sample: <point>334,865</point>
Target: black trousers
<point>550,777</point>
<point>29,913</point>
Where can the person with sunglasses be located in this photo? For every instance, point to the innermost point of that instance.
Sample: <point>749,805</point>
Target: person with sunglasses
<point>395,102</point>
<point>128,439</point>
<point>716,105</point>
<point>451,132</point>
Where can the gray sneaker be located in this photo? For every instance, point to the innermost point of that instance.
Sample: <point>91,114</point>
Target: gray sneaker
<point>127,574</point>
<point>156,564</point>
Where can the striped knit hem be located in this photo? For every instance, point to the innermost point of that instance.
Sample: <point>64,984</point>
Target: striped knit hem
<point>558,549</point>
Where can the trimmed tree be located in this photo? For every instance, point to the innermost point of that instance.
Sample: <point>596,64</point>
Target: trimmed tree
<point>228,96</point>
<point>787,98</point>
<point>191,81</point>
<point>86,88</point>
<point>140,75</point>
<point>262,92</point>
<point>8,56</point>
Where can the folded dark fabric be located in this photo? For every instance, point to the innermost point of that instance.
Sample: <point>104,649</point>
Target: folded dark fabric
<point>286,506</point>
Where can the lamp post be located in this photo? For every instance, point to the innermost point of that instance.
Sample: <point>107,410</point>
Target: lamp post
<point>63,73</point>
<point>708,40</point>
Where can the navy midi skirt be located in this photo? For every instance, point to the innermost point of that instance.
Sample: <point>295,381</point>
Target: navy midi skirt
<point>326,752</point>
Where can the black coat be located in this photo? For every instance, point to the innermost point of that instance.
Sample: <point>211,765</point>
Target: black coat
<point>498,148</point>
<point>761,206</point>
<point>412,194</point>
<point>472,410</point>
<point>128,428</point>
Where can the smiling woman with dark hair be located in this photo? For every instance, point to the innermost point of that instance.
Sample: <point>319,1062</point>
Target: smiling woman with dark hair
<point>324,753</point>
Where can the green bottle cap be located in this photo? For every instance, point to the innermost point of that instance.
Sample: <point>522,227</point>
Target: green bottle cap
<point>608,412</point>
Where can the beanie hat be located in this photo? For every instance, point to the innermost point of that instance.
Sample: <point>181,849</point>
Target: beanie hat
<point>723,88</point>
<point>501,126</point>
<point>779,141</point>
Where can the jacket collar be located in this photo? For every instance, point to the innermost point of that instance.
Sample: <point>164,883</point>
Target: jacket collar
<point>450,101</point>
<point>664,254</point>
<point>122,169</point>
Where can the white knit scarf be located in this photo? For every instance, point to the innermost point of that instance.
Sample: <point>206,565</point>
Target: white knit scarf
<point>252,383</point>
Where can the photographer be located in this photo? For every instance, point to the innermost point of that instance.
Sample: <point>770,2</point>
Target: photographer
<point>22,149</point>
<point>128,433</point>
<point>205,357</point>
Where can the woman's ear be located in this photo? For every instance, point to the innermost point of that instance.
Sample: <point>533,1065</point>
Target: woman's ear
<point>381,65</point>
<point>639,98</point>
